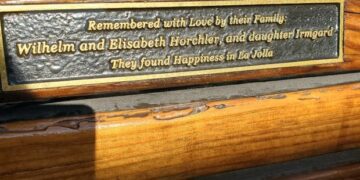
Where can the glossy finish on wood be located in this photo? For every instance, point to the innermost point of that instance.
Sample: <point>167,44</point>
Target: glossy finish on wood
<point>184,140</point>
<point>351,57</point>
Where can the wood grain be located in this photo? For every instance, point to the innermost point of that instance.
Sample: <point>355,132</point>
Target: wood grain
<point>184,140</point>
<point>352,6</point>
<point>351,64</point>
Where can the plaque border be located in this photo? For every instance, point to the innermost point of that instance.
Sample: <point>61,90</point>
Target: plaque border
<point>142,5</point>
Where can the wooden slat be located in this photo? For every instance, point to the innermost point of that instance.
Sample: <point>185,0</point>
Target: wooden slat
<point>344,172</point>
<point>185,140</point>
<point>351,56</point>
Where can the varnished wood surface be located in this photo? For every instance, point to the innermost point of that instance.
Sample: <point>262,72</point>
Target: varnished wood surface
<point>351,56</point>
<point>184,140</point>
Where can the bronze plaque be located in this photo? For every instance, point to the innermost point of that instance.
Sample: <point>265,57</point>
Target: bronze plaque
<point>49,46</point>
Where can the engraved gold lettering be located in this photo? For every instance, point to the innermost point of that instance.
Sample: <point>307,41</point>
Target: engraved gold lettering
<point>220,21</point>
<point>263,53</point>
<point>123,64</point>
<point>43,47</point>
<point>271,36</point>
<point>239,38</point>
<point>175,23</point>
<point>314,34</point>
<point>248,37</point>
<point>91,25</point>
<point>132,24</point>
<point>92,46</point>
<point>145,62</point>
<point>196,60</point>
<point>243,55</point>
<point>239,20</point>
<point>275,18</point>
<point>142,43</point>
<point>23,49</point>
<point>201,22</point>
<point>201,39</point>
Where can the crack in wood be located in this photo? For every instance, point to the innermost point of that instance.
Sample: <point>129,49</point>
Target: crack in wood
<point>135,115</point>
<point>308,98</point>
<point>351,12</point>
<point>70,124</point>
<point>172,108</point>
<point>221,106</point>
<point>276,96</point>
<point>194,108</point>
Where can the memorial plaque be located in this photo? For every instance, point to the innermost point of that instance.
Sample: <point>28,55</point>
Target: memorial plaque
<point>52,46</point>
